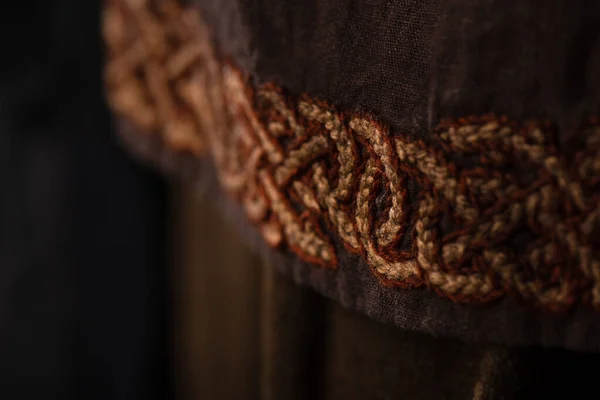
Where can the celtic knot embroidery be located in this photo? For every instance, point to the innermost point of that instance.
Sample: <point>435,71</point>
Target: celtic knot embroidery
<point>495,206</point>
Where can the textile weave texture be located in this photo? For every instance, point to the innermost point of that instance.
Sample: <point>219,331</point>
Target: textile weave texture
<point>466,208</point>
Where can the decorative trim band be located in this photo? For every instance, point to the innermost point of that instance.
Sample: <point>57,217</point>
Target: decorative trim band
<point>489,207</point>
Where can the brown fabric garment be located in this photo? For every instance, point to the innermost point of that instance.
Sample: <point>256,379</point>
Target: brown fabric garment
<point>368,56</point>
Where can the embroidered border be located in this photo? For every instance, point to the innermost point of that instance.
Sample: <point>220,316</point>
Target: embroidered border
<point>499,208</point>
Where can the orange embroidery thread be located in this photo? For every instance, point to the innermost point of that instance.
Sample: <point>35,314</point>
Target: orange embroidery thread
<point>498,208</point>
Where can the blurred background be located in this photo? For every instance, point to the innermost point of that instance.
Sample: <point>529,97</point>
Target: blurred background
<point>83,231</point>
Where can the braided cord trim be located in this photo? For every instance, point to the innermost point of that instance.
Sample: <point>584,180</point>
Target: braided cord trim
<point>499,208</point>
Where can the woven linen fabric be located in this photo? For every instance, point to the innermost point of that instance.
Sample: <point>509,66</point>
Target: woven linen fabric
<point>410,64</point>
<point>413,62</point>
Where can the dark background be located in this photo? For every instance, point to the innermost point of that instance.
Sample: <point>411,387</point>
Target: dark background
<point>82,242</point>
